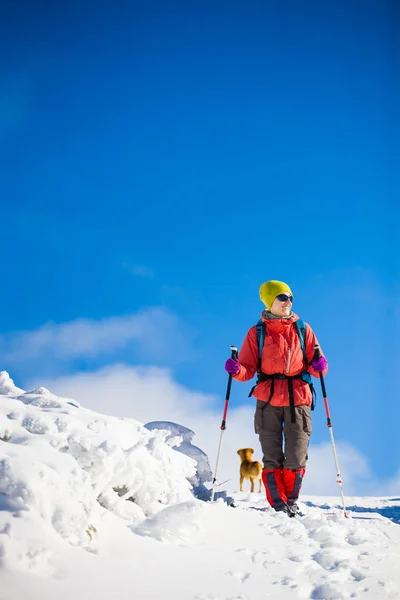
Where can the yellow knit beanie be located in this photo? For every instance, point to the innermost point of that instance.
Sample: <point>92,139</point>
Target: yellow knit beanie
<point>271,289</point>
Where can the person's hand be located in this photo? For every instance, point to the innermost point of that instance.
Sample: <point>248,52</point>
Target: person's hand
<point>319,364</point>
<point>232,366</point>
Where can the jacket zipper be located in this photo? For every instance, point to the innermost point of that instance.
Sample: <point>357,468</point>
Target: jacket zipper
<point>288,361</point>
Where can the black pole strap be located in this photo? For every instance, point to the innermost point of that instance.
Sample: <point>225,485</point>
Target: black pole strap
<point>291,401</point>
<point>234,354</point>
<point>317,355</point>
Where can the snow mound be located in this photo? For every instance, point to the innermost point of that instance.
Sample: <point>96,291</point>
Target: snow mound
<point>63,469</point>
<point>41,391</point>
<point>180,439</point>
<point>7,386</point>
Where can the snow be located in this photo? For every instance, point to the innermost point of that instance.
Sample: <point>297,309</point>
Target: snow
<point>180,439</point>
<point>105,507</point>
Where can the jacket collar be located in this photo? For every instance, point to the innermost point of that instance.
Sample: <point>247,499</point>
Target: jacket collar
<point>271,319</point>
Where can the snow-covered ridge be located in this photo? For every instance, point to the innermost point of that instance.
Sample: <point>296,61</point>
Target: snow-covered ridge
<point>103,507</point>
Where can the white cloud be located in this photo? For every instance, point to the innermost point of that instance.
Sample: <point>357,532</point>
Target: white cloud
<point>151,394</point>
<point>321,469</point>
<point>157,333</point>
<point>391,487</point>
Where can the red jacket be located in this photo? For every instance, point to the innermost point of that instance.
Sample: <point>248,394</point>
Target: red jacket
<point>282,353</point>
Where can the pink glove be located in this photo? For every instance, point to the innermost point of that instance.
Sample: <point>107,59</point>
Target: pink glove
<point>232,366</point>
<point>319,364</point>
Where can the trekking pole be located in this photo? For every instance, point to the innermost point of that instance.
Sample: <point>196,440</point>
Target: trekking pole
<point>223,424</point>
<point>317,354</point>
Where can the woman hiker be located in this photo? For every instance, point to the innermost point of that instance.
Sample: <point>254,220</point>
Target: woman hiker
<point>281,349</point>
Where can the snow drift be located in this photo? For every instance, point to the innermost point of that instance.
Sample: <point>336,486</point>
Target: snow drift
<point>62,465</point>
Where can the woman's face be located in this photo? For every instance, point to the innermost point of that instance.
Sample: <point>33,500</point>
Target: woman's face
<point>281,308</point>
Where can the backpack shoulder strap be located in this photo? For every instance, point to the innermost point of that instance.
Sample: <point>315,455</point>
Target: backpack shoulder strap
<point>261,333</point>
<point>301,332</point>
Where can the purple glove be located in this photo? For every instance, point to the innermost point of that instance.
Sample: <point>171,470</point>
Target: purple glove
<point>232,366</point>
<point>319,364</point>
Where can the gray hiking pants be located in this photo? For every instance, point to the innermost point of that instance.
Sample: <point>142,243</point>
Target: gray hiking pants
<point>274,427</point>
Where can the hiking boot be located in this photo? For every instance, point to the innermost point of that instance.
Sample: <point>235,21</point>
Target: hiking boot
<point>294,507</point>
<point>286,509</point>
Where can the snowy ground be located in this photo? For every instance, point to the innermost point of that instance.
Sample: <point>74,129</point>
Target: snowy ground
<point>98,506</point>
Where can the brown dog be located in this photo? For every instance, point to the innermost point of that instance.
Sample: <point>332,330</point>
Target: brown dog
<point>249,469</point>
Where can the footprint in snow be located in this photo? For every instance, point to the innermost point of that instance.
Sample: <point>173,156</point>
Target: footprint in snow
<point>322,535</point>
<point>331,561</point>
<point>357,574</point>
<point>355,539</point>
<point>326,591</point>
<point>242,577</point>
<point>256,557</point>
<point>296,557</point>
<point>288,581</point>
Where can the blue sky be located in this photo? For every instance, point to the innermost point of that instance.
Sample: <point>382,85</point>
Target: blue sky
<point>172,157</point>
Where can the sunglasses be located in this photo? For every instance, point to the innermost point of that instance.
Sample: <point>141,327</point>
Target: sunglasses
<point>284,297</point>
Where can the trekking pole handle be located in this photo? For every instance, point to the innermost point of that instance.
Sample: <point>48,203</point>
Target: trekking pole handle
<point>234,354</point>
<point>317,355</point>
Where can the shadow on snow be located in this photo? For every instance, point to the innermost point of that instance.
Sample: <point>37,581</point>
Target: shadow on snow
<point>389,512</point>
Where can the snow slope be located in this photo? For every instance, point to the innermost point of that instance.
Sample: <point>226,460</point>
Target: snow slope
<point>98,506</point>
